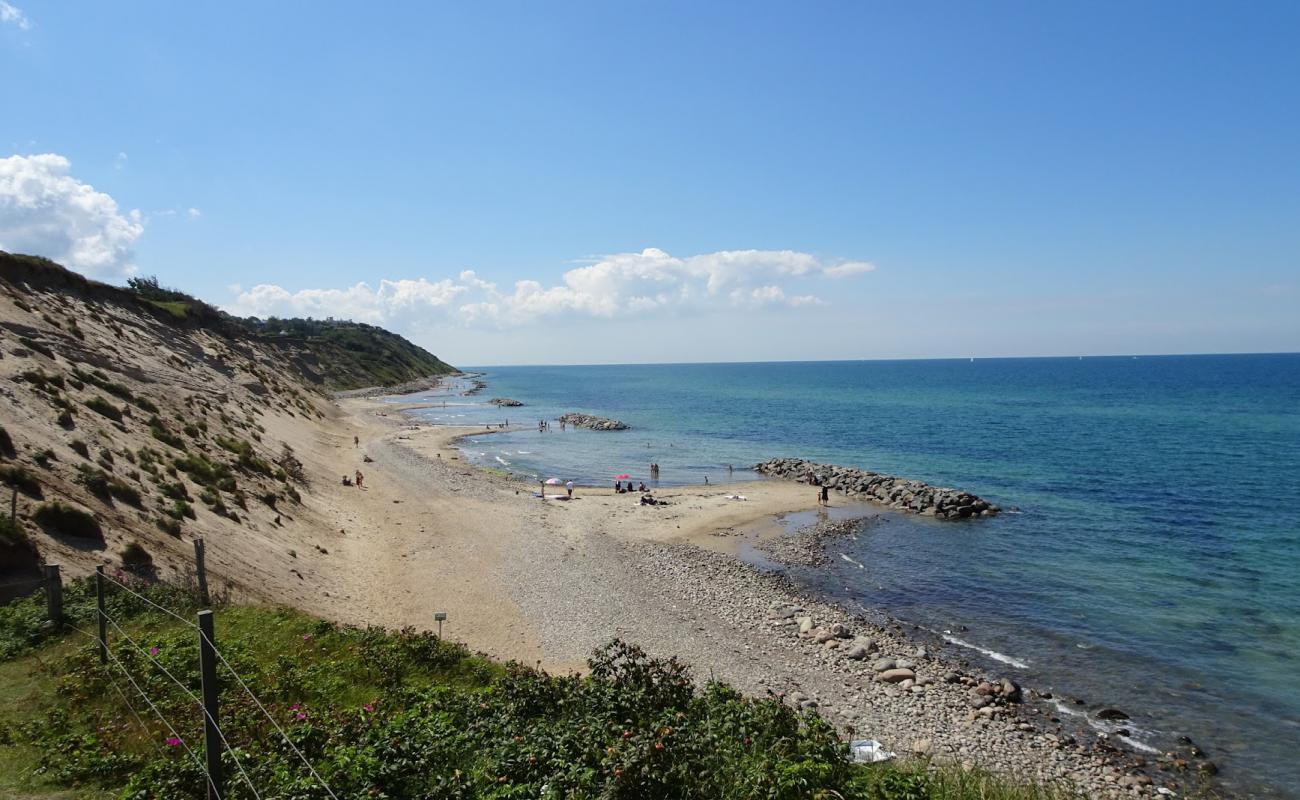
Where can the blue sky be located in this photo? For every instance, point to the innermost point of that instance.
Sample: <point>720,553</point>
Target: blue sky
<point>678,182</point>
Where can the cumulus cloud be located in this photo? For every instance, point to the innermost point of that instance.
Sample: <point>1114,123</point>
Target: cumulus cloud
<point>12,15</point>
<point>47,212</point>
<point>615,285</point>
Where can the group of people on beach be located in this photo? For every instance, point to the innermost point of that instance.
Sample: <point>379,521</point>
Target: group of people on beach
<point>545,425</point>
<point>359,481</point>
<point>621,489</point>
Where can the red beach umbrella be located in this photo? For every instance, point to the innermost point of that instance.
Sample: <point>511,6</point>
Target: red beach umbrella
<point>624,476</point>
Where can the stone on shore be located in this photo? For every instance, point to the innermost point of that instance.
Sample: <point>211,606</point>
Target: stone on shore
<point>896,675</point>
<point>592,423</point>
<point>901,493</point>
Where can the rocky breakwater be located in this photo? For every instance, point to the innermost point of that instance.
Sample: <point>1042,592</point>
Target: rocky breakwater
<point>592,423</point>
<point>900,493</point>
<point>505,402</point>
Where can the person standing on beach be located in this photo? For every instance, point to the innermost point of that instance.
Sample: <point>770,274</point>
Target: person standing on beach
<point>824,498</point>
<point>568,487</point>
<point>359,478</point>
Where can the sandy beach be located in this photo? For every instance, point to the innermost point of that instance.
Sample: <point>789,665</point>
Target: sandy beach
<point>546,582</point>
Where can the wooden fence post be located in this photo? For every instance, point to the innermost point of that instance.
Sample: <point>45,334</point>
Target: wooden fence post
<point>99,612</point>
<point>201,571</point>
<point>211,734</point>
<point>54,595</point>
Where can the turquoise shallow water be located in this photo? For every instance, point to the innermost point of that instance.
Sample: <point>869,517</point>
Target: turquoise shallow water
<point>1155,561</point>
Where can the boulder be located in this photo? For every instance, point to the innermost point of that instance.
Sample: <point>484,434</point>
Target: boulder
<point>857,652</point>
<point>1111,714</point>
<point>896,675</point>
<point>882,664</point>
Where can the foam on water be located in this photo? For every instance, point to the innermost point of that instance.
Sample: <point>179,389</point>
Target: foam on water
<point>993,654</point>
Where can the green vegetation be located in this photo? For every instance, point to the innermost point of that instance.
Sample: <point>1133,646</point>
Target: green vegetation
<point>11,532</point>
<point>98,378</point>
<point>403,714</point>
<point>40,380</point>
<point>247,458</point>
<point>105,486</point>
<point>81,448</point>
<point>206,473</point>
<point>350,355</point>
<point>21,479</point>
<point>163,434</point>
<point>57,517</point>
<point>177,304</point>
<point>134,555</point>
<point>104,408</point>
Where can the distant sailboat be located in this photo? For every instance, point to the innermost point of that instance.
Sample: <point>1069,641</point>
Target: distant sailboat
<point>972,361</point>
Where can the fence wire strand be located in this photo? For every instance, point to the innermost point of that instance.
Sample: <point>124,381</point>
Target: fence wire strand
<point>117,687</point>
<point>267,714</point>
<point>126,673</point>
<point>166,611</point>
<point>195,698</point>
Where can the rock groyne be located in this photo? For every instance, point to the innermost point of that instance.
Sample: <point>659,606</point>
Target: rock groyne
<point>505,402</point>
<point>900,493</point>
<point>592,423</point>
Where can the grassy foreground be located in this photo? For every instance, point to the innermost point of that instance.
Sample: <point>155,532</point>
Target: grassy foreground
<point>383,714</point>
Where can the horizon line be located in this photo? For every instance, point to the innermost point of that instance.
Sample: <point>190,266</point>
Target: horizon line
<point>889,359</point>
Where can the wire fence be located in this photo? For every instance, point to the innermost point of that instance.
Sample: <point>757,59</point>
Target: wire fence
<point>111,651</point>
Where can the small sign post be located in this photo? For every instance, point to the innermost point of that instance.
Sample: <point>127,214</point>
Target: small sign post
<point>439,616</point>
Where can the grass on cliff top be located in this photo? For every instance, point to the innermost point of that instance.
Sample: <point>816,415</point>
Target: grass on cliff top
<point>402,714</point>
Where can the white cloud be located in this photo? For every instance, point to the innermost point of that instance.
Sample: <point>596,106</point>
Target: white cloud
<point>12,15</point>
<point>45,211</point>
<point>651,281</point>
<point>848,268</point>
<point>193,213</point>
<point>119,161</point>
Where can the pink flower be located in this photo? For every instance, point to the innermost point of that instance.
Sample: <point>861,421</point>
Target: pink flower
<point>173,741</point>
<point>369,707</point>
<point>295,706</point>
<point>153,651</point>
<point>302,715</point>
<point>307,637</point>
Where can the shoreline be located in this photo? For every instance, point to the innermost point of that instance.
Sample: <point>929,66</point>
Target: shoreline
<point>672,578</point>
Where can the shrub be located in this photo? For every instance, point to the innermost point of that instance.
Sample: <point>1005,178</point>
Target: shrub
<point>65,419</point>
<point>45,457</point>
<point>180,509</point>
<point>58,517</point>
<point>40,380</point>
<point>98,378</point>
<point>80,448</point>
<point>134,555</point>
<point>6,444</point>
<point>160,432</point>
<point>11,532</point>
<point>21,479</point>
<point>174,491</point>
<point>169,526</point>
<point>104,408</point>
<point>146,405</point>
<point>205,472</point>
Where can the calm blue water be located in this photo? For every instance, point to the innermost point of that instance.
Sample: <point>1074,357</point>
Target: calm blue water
<point>1155,564</point>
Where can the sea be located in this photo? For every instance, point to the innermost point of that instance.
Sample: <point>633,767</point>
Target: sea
<point>1148,559</point>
